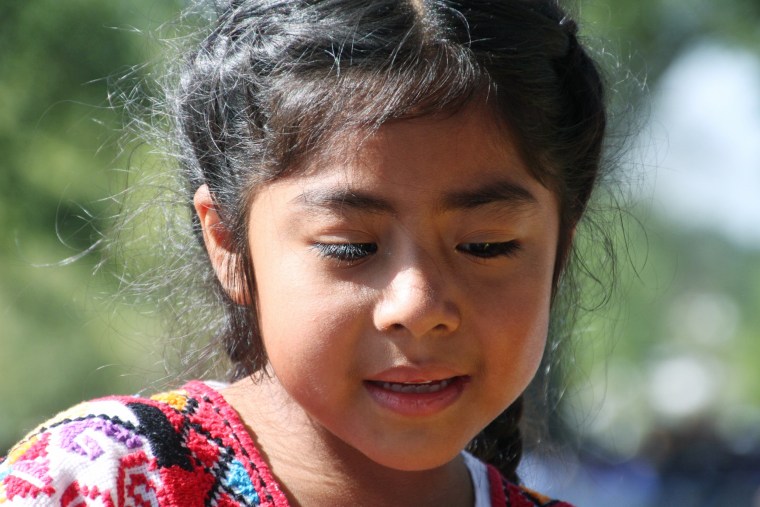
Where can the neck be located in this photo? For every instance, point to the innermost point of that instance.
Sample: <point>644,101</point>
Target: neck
<point>315,468</point>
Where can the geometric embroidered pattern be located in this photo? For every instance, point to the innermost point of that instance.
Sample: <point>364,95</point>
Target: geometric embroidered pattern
<point>183,448</point>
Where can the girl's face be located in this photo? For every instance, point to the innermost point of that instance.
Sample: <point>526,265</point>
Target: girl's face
<point>403,290</point>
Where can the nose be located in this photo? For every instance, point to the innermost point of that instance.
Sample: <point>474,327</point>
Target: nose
<point>417,300</point>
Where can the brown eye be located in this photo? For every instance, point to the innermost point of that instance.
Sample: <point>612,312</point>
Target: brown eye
<point>489,250</point>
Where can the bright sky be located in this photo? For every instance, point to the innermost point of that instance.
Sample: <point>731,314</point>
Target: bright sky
<point>704,142</point>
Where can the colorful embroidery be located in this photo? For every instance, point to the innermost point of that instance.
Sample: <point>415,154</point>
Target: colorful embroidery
<point>184,448</point>
<point>522,497</point>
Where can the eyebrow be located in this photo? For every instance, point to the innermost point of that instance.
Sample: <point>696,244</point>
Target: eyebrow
<point>338,199</point>
<point>499,192</point>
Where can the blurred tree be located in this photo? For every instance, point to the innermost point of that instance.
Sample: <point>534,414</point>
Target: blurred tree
<point>58,140</point>
<point>647,35</point>
<point>684,329</point>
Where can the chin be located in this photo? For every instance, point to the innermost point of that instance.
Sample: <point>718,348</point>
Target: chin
<point>415,458</point>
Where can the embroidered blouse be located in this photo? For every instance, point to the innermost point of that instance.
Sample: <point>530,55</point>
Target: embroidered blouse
<point>181,448</point>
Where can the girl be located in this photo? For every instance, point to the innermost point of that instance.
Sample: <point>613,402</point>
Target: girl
<point>385,195</point>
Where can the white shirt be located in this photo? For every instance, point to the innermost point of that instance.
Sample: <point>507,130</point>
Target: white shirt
<point>479,475</point>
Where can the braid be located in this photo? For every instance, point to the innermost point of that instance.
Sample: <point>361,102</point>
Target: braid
<point>500,443</point>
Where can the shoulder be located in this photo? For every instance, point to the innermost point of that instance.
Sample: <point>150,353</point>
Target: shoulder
<point>177,448</point>
<point>69,452</point>
<point>505,493</point>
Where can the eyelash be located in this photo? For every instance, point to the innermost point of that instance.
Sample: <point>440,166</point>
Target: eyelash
<point>352,252</point>
<point>490,250</point>
<point>346,252</point>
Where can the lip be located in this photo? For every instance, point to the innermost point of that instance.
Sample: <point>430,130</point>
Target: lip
<point>414,374</point>
<point>412,392</point>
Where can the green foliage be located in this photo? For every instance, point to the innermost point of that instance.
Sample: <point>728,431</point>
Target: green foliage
<point>61,337</point>
<point>681,294</point>
<point>647,35</point>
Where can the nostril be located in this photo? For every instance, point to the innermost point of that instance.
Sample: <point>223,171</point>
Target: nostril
<point>415,303</point>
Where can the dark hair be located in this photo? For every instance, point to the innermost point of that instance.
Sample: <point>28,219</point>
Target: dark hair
<point>277,81</point>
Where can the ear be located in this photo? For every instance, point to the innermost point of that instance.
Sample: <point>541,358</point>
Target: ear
<point>218,239</point>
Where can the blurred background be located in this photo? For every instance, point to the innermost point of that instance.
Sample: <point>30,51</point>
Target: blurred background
<point>661,403</point>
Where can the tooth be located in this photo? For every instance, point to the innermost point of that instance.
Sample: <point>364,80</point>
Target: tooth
<point>430,386</point>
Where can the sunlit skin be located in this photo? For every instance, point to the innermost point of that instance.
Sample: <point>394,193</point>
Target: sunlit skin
<point>424,258</point>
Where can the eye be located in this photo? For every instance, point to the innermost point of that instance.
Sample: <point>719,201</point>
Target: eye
<point>347,252</point>
<point>489,250</point>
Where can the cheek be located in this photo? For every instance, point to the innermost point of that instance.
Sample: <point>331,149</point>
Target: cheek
<point>309,328</point>
<point>518,323</point>
<point>519,329</point>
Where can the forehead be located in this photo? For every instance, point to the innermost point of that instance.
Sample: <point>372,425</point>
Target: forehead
<point>422,159</point>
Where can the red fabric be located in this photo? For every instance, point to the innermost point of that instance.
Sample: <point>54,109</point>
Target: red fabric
<point>187,448</point>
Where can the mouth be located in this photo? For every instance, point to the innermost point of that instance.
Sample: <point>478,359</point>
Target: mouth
<point>430,386</point>
<point>417,398</point>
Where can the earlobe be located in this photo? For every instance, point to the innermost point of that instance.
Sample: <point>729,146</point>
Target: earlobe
<point>217,238</point>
